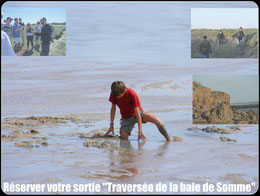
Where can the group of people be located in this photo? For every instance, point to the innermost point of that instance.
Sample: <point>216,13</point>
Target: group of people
<point>205,47</point>
<point>13,34</point>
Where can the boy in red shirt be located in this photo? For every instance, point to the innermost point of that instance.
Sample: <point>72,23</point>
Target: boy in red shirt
<point>131,111</point>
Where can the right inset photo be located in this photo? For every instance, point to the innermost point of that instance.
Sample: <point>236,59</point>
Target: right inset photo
<point>224,33</point>
<point>225,99</point>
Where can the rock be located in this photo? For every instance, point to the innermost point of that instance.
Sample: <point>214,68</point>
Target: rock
<point>24,144</point>
<point>206,115</point>
<point>194,128</point>
<point>211,107</point>
<point>214,129</point>
<point>15,136</point>
<point>177,139</point>
<point>226,139</point>
<point>98,135</point>
<point>236,128</point>
<point>33,132</point>
<point>45,138</point>
<point>100,144</point>
<point>244,155</point>
<point>102,135</point>
<point>91,144</point>
<point>108,145</point>
<point>81,135</point>
<point>44,144</point>
<point>35,122</point>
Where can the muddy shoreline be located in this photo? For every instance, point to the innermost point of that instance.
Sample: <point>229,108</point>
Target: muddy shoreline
<point>78,144</point>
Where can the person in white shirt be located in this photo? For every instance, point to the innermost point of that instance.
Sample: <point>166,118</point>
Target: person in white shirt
<point>8,28</point>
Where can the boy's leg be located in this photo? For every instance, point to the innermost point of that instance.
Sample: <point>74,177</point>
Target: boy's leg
<point>148,117</point>
<point>124,135</point>
<point>126,127</point>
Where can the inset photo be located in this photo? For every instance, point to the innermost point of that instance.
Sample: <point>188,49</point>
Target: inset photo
<point>30,31</point>
<point>226,99</point>
<point>224,33</point>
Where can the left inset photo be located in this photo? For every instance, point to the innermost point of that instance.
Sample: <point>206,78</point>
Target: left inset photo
<point>30,31</point>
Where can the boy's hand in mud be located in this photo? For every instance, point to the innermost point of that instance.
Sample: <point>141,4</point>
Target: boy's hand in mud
<point>111,129</point>
<point>141,136</point>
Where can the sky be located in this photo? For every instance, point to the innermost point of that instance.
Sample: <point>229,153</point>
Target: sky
<point>241,88</point>
<point>32,15</point>
<point>220,18</point>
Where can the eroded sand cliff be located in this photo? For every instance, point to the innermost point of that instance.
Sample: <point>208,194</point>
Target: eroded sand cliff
<point>213,107</point>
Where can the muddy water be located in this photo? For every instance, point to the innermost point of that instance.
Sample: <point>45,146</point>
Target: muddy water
<point>75,90</point>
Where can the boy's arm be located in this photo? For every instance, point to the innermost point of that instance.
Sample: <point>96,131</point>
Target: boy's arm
<point>112,114</point>
<point>112,117</point>
<point>139,122</point>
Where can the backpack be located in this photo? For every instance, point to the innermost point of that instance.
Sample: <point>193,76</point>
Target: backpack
<point>53,32</point>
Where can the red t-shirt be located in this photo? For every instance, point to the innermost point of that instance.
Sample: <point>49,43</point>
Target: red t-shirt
<point>127,103</point>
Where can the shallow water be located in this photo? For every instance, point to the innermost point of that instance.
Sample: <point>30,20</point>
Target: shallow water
<point>148,47</point>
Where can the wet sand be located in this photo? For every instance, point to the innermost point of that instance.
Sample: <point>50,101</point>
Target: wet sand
<point>70,149</point>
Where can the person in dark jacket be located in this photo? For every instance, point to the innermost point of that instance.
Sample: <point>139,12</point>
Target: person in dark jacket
<point>205,47</point>
<point>220,37</point>
<point>240,35</point>
<point>45,37</point>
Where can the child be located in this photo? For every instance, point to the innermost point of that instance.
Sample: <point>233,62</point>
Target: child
<point>131,111</point>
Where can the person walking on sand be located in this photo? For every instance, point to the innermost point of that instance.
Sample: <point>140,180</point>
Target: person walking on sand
<point>30,35</point>
<point>131,111</point>
<point>205,48</point>
<point>38,30</point>
<point>240,35</point>
<point>17,35</point>
<point>45,37</point>
<point>220,37</point>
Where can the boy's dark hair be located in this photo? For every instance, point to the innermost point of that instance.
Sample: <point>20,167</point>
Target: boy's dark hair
<point>117,88</point>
